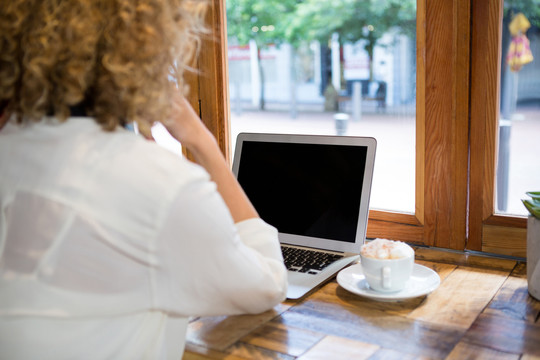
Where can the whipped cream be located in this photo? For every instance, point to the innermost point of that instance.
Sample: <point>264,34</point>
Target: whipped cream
<point>387,249</point>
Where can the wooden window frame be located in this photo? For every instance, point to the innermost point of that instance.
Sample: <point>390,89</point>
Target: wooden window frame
<point>488,231</point>
<point>209,89</point>
<point>455,131</point>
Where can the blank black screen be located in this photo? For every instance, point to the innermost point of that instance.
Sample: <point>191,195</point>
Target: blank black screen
<point>305,189</point>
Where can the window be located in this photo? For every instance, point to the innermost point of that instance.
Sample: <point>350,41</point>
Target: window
<point>456,127</point>
<point>491,230</point>
<point>351,72</point>
<point>518,169</point>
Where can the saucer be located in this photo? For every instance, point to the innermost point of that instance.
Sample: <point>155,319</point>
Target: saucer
<point>422,282</point>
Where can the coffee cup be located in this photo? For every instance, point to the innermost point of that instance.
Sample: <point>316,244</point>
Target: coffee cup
<point>387,265</point>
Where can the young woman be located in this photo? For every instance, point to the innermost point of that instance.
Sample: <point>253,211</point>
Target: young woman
<point>108,243</point>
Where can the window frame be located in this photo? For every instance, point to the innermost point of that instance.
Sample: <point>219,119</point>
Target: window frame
<point>489,232</point>
<point>457,102</point>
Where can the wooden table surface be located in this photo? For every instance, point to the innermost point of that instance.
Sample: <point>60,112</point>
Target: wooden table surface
<point>481,310</point>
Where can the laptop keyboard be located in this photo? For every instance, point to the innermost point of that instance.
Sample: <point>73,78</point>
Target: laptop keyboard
<point>307,261</point>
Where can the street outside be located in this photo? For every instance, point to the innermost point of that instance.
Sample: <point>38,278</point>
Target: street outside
<point>394,175</point>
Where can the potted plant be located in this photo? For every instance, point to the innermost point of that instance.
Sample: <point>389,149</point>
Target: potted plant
<point>533,243</point>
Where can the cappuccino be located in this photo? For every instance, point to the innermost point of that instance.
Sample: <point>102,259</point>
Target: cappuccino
<point>386,250</point>
<point>387,264</point>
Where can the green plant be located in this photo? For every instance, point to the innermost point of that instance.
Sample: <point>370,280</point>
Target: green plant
<point>533,205</point>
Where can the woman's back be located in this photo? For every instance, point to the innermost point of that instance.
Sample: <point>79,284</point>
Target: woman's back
<point>109,243</point>
<point>98,247</point>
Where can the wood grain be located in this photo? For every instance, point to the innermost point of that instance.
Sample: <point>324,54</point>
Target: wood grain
<point>485,89</point>
<point>505,240</point>
<point>465,351</point>
<point>197,352</point>
<point>338,348</point>
<point>459,137</point>
<point>513,300</point>
<point>381,324</point>
<point>506,220</point>
<point>394,217</point>
<point>389,354</point>
<point>236,351</point>
<point>477,312</point>
<point>278,337</point>
<point>464,259</point>
<point>333,294</point>
<point>248,351</point>
<point>529,357</point>
<point>446,123</point>
<point>442,269</point>
<point>505,334</point>
<point>420,157</point>
<point>460,298</point>
<point>209,87</point>
<point>220,332</point>
<point>520,270</point>
<point>395,231</point>
<point>438,122</point>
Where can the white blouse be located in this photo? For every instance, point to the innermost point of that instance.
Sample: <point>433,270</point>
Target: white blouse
<point>108,243</point>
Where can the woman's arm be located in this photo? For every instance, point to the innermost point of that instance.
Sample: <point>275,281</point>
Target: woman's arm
<point>239,266</point>
<point>186,127</point>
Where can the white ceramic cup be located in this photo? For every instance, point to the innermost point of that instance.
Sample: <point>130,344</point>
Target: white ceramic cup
<point>388,274</point>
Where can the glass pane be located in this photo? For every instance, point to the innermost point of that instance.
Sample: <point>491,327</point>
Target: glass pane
<point>518,165</point>
<point>330,67</point>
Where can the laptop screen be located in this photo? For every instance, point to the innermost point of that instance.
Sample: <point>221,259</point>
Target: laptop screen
<point>306,188</point>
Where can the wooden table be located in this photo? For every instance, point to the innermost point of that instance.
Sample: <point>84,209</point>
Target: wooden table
<point>481,310</point>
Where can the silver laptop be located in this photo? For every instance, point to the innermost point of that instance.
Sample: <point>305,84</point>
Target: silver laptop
<point>315,190</point>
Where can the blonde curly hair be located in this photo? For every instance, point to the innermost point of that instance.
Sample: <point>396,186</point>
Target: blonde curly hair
<point>115,58</point>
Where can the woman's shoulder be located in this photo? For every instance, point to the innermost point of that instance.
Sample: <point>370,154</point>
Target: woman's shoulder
<point>149,161</point>
<point>139,176</point>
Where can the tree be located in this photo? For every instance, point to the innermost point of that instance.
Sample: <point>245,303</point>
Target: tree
<point>531,9</point>
<point>302,21</point>
<point>261,21</point>
<point>353,20</point>
<point>370,20</point>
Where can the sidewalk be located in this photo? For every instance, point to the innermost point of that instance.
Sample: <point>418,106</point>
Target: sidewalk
<point>394,176</point>
<point>393,179</point>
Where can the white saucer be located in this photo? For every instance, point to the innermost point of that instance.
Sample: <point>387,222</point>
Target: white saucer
<point>422,282</point>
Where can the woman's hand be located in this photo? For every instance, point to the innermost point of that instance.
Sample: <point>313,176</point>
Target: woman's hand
<point>185,126</point>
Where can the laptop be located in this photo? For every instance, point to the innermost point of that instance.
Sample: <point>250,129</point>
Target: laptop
<point>315,190</point>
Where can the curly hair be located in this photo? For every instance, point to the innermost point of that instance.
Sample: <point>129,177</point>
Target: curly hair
<point>119,59</point>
